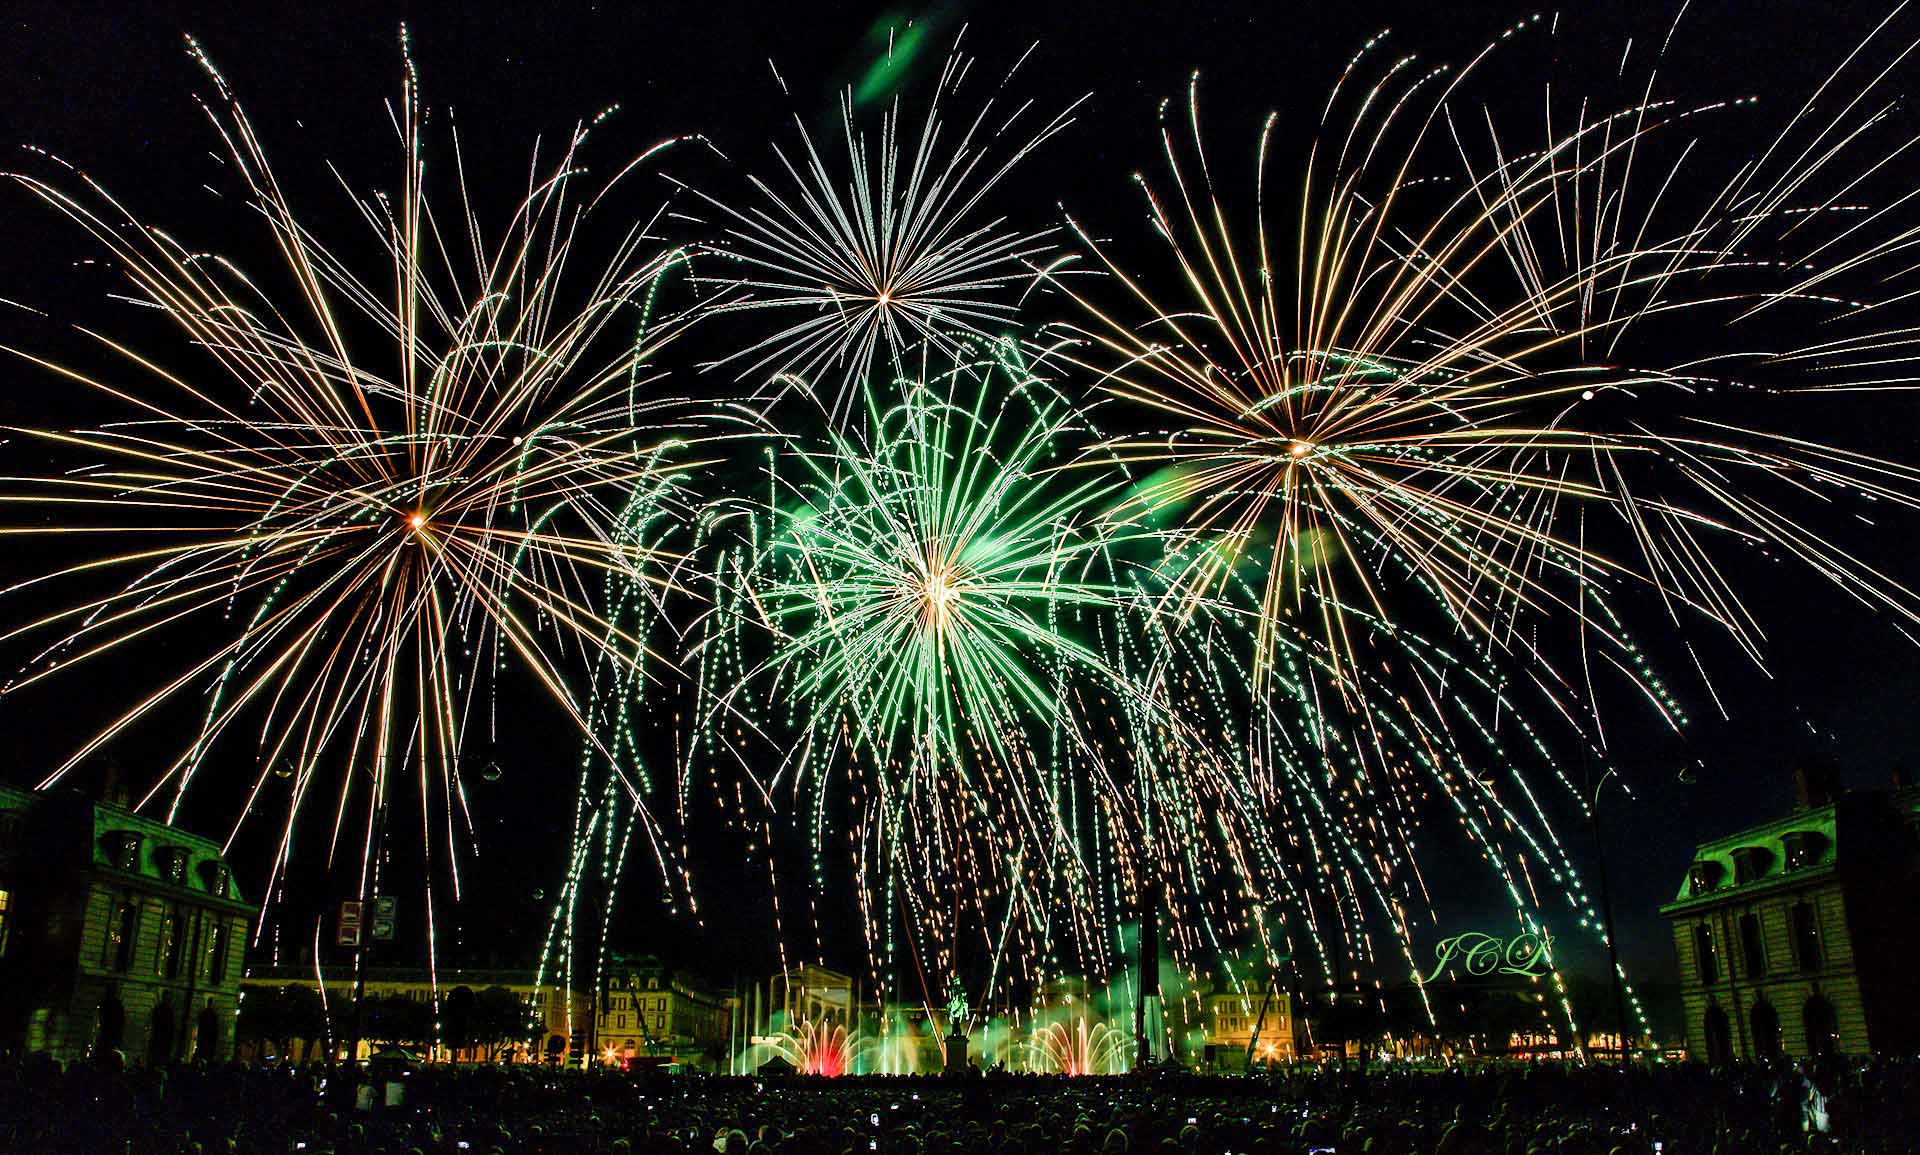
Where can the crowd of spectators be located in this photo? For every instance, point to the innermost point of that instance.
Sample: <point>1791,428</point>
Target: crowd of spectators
<point>1836,1105</point>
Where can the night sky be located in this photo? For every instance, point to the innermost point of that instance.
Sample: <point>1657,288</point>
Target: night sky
<point>107,86</point>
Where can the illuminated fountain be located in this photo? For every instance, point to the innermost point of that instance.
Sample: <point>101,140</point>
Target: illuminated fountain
<point>824,1048</point>
<point>1075,1047</point>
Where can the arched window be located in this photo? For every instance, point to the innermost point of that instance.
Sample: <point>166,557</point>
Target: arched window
<point>1719,1037</point>
<point>1803,849</point>
<point>1823,1030</point>
<point>218,878</point>
<point>113,1022</point>
<point>172,862</point>
<point>206,1041</point>
<point>1750,864</point>
<point>1766,1030</point>
<point>160,1034</point>
<point>123,851</point>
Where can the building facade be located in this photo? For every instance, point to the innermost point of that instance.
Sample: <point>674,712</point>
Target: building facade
<point>117,933</point>
<point>651,1010</point>
<point>1246,1026</point>
<point>1789,933</point>
<point>812,994</point>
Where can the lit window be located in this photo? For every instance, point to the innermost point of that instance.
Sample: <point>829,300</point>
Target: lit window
<point>1806,935</point>
<point>119,943</point>
<point>166,951</point>
<point>1803,849</point>
<point>6,918</point>
<point>1705,963</point>
<point>1753,949</point>
<point>217,952</point>
<point>1750,864</point>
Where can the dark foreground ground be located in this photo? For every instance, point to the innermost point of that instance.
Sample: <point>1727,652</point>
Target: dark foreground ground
<point>1870,1107</point>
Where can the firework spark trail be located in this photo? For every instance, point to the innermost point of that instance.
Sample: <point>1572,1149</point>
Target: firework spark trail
<point>1424,407</point>
<point>367,503</point>
<point>1401,432</point>
<point>914,586</point>
<point>1022,742</point>
<point>889,261</point>
<point>1018,675</point>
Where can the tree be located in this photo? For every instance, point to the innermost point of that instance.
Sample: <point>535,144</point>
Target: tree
<point>279,1015</point>
<point>1346,1020</point>
<point>396,1019</point>
<point>1409,1019</point>
<point>457,1021</point>
<point>1594,1010</point>
<point>263,1015</point>
<point>305,1016</point>
<point>501,1019</point>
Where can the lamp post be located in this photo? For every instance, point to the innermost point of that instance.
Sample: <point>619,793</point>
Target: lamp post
<point>1686,778</point>
<point>1606,914</point>
<point>1147,963</point>
<point>363,939</point>
<point>367,923</point>
<point>1266,1001</point>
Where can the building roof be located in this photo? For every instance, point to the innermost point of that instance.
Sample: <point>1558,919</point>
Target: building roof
<point>1803,846</point>
<point>75,831</point>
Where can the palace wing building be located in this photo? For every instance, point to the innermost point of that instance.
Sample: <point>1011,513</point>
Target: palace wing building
<point>1792,934</point>
<point>117,933</point>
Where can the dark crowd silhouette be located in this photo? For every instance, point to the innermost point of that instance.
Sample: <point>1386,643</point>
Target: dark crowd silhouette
<point>1833,1105</point>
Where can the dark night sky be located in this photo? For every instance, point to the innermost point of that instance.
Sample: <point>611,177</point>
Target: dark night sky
<point>106,84</point>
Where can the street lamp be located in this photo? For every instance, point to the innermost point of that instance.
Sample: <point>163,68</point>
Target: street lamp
<point>1686,778</point>
<point>364,932</point>
<point>1606,914</point>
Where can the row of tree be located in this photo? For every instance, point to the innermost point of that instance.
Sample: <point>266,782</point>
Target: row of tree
<point>1464,1017</point>
<point>477,1024</point>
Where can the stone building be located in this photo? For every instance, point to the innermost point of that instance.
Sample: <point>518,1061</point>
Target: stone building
<point>1791,933</point>
<point>1245,1021</point>
<point>650,1010</point>
<point>116,932</point>
<point>812,994</point>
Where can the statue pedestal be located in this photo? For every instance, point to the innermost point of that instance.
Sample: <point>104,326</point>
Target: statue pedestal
<point>956,1054</point>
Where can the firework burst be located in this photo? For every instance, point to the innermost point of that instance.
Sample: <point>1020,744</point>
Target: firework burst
<point>932,601</point>
<point>364,496</point>
<point>884,256</point>
<point>1417,395</point>
<point>1409,414</point>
